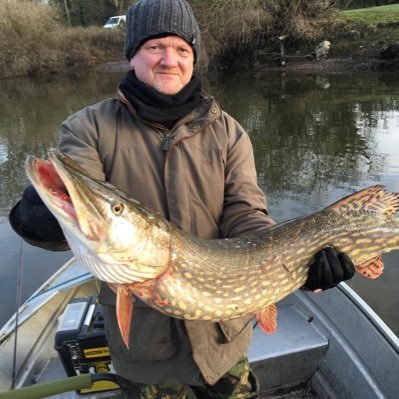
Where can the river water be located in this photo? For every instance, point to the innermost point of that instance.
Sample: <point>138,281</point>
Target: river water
<point>316,137</point>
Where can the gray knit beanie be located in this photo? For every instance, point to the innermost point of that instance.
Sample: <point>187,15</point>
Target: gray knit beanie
<point>148,19</point>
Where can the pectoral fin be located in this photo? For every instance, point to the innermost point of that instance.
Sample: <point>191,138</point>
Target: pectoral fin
<point>124,311</point>
<point>267,319</point>
<point>372,268</point>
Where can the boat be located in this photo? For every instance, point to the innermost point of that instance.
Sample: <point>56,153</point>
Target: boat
<point>327,345</point>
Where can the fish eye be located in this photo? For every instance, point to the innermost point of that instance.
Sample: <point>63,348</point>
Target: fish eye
<point>117,209</point>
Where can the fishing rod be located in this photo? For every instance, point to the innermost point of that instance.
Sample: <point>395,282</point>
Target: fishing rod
<point>18,299</point>
<point>37,391</point>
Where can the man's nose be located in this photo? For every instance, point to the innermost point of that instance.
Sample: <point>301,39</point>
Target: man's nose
<point>169,57</point>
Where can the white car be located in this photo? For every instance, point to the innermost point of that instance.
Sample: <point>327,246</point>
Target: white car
<point>115,22</point>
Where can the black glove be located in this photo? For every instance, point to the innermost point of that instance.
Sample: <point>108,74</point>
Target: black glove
<point>34,218</point>
<point>328,269</point>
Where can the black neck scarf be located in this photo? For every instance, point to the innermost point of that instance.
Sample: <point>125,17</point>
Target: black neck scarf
<point>156,107</point>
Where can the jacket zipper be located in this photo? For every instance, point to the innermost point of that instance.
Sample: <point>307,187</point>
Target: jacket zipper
<point>167,140</point>
<point>166,136</point>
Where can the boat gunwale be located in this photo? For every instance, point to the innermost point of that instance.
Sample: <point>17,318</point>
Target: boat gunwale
<point>43,295</point>
<point>371,315</point>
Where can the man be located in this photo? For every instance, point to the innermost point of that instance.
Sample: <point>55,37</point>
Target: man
<point>169,145</point>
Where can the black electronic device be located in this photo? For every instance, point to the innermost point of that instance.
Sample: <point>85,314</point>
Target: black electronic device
<point>81,342</point>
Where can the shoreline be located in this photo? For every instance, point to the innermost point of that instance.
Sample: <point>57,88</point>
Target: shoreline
<point>327,65</point>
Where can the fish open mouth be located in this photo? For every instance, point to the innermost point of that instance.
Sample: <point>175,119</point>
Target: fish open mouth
<point>61,185</point>
<point>52,182</point>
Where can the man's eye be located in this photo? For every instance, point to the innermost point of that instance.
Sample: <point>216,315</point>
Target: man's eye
<point>154,49</point>
<point>183,51</point>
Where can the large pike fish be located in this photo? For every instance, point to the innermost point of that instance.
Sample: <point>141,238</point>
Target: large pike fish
<point>136,251</point>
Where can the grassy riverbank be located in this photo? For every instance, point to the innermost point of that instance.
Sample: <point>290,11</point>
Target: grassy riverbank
<point>34,39</point>
<point>363,33</point>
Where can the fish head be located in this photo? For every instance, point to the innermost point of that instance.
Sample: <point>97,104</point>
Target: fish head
<point>100,221</point>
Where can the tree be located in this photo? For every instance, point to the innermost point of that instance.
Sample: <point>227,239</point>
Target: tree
<point>89,12</point>
<point>120,5</point>
<point>67,13</point>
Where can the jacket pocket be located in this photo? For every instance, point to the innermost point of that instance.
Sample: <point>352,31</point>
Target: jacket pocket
<point>232,328</point>
<point>152,336</point>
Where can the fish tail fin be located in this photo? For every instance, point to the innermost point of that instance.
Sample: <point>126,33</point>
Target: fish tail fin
<point>372,199</point>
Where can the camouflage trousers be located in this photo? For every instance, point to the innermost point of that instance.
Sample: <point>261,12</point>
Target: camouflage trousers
<point>238,383</point>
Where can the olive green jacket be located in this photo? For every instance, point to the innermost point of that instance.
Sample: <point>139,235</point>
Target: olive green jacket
<point>200,174</point>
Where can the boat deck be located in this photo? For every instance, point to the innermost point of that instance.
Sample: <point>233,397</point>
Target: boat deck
<point>297,347</point>
<point>53,370</point>
<point>294,393</point>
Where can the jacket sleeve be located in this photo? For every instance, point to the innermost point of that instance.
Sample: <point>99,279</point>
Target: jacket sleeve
<point>26,229</point>
<point>244,207</point>
<point>79,140</point>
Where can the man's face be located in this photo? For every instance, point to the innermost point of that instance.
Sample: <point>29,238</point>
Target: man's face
<point>165,63</point>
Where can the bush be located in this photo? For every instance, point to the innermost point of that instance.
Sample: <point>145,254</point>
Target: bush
<point>299,19</point>
<point>33,40</point>
<point>245,25</point>
<point>229,24</point>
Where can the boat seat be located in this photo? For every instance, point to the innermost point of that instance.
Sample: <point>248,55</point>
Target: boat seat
<point>292,354</point>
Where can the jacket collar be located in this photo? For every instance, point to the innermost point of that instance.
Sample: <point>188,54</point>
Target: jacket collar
<point>204,114</point>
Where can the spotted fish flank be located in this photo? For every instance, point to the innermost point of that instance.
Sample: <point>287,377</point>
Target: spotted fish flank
<point>129,246</point>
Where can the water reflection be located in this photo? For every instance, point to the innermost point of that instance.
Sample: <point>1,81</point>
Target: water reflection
<point>315,135</point>
<point>316,138</point>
